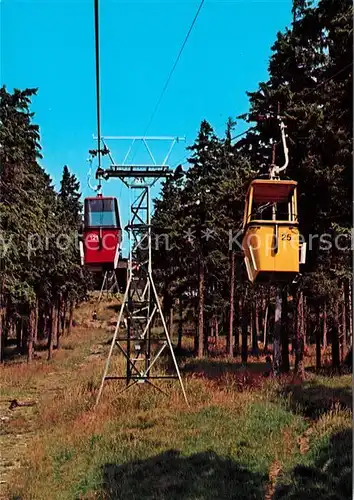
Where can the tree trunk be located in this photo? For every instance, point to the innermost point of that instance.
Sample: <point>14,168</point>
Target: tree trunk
<point>335,339</point>
<point>255,351</point>
<point>45,322</point>
<point>277,361</point>
<point>229,339</point>
<point>196,338</point>
<point>201,310</point>
<point>299,337</point>
<point>318,341</point>
<point>2,337</point>
<point>2,320</point>
<point>263,306</point>
<point>63,318</point>
<point>265,337</point>
<point>58,329</point>
<point>36,321</point>
<point>24,337</point>
<point>257,319</point>
<point>206,338</point>
<point>167,302</point>
<point>2,332</point>
<point>170,322</point>
<point>350,314</point>
<point>238,329</point>
<point>19,324</point>
<point>304,317</point>
<point>324,327</point>
<point>31,333</point>
<point>52,330</point>
<point>180,325</point>
<point>216,328</point>
<point>285,363</point>
<point>343,330</point>
<point>244,346</point>
<point>71,316</point>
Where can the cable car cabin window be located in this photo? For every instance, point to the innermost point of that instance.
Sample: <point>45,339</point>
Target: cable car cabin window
<point>272,211</point>
<point>261,211</point>
<point>101,213</point>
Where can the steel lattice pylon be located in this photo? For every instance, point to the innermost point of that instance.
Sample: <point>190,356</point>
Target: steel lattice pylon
<point>109,284</point>
<point>140,303</point>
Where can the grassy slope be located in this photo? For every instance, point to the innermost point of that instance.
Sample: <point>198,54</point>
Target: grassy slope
<point>237,439</point>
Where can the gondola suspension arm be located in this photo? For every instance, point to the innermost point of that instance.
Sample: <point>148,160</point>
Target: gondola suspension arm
<point>275,170</point>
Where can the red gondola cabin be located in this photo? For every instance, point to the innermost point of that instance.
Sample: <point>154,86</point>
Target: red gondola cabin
<point>102,233</point>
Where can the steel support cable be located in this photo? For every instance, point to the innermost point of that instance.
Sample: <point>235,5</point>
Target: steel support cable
<point>305,94</point>
<point>283,135</point>
<point>328,79</point>
<point>171,73</point>
<point>243,133</point>
<point>181,160</point>
<point>174,66</point>
<point>98,106</point>
<point>309,91</point>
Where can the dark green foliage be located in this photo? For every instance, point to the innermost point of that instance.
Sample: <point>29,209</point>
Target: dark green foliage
<point>69,195</point>
<point>201,214</point>
<point>40,261</point>
<point>198,218</point>
<point>310,82</point>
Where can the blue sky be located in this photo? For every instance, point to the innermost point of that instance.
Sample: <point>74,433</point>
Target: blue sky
<point>49,44</point>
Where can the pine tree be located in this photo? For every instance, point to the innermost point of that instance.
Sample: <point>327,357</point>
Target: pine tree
<point>37,273</point>
<point>69,196</point>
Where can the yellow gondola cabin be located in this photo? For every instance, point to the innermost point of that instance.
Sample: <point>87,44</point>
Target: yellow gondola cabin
<point>271,241</point>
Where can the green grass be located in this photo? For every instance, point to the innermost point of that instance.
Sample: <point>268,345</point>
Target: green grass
<point>325,472</point>
<point>214,434</point>
<point>248,443</point>
<point>235,444</point>
<point>152,456</point>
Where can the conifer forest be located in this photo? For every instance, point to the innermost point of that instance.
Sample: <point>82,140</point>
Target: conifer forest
<point>261,404</point>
